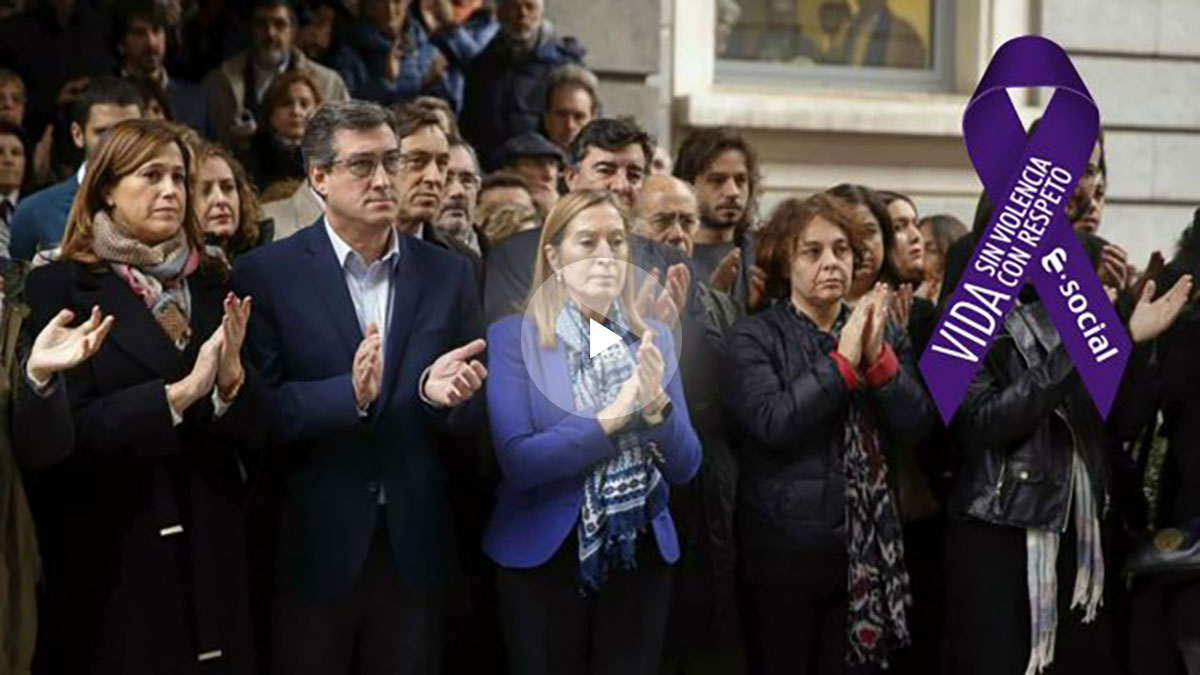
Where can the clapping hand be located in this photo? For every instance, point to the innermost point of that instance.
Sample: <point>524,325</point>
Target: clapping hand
<point>643,391</point>
<point>58,348</point>
<point>876,321</point>
<point>229,369</point>
<point>667,303</point>
<point>367,372</point>
<point>1151,317</point>
<point>1114,267</point>
<point>723,277</point>
<point>198,383</point>
<point>456,375</point>
<point>650,370</point>
<point>901,305</point>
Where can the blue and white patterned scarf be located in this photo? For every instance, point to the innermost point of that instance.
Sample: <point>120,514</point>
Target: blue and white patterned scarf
<point>621,495</point>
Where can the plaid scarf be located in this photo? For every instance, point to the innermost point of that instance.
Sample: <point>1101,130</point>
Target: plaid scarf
<point>621,495</point>
<point>1041,556</point>
<point>157,274</point>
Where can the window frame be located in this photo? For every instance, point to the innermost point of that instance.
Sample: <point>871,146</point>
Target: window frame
<point>938,79</point>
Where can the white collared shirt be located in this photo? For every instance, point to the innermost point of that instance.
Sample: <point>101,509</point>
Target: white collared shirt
<point>371,291</point>
<point>370,285</point>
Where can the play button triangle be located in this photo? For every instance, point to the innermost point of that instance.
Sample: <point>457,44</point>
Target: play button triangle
<point>600,338</point>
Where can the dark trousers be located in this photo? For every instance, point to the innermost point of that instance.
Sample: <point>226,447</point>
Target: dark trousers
<point>380,628</point>
<point>987,611</point>
<point>923,559</point>
<point>1165,636</point>
<point>551,628</point>
<point>798,626</point>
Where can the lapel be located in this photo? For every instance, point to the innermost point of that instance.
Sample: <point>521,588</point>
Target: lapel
<point>208,296</point>
<point>235,72</point>
<point>329,282</point>
<point>553,378</point>
<point>135,330</point>
<point>407,279</point>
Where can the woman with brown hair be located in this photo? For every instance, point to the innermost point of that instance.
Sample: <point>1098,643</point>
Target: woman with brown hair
<point>873,227</point>
<point>586,443</point>
<point>274,151</point>
<point>226,204</point>
<point>141,523</point>
<point>821,393</point>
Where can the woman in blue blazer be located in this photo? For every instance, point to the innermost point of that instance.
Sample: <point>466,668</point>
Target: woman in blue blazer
<point>581,531</point>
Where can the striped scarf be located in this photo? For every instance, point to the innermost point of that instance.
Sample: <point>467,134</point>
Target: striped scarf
<point>1041,554</point>
<point>157,274</point>
<point>622,495</point>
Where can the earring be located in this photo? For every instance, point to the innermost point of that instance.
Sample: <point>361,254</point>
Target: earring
<point>558,276</point>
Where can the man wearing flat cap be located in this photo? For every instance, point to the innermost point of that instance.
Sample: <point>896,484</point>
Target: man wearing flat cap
<point>535,158</point>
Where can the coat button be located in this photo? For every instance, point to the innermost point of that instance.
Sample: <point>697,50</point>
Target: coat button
<point>372,486</point>
<point>1024,475</point>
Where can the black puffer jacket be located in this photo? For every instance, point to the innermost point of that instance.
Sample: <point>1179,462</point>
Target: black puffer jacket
<point>1022,416</point>
<point>790,402</point>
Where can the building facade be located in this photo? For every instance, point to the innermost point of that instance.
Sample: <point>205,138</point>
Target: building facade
<point>824,107</point>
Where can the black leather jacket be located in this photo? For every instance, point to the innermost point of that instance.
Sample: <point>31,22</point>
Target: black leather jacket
<point>789,402</point>
<point>1022,417</point>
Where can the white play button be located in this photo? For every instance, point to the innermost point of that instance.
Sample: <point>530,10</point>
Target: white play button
<point>600,338</point>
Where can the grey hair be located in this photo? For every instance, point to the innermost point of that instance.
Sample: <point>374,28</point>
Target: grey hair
<point>318,146</point>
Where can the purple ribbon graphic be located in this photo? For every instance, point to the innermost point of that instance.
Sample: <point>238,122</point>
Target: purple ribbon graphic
<point>1028,238</point>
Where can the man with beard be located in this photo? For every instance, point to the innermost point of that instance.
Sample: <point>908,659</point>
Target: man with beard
<point>506,83</point>
<point>723,169</point>
<point>141,32</point>
<point>456,218</point>
<point>236,88</point>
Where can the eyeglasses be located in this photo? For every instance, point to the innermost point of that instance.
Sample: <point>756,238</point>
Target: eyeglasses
<point>363,166</point>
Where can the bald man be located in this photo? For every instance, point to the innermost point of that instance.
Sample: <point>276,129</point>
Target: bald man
<point>669,212</point>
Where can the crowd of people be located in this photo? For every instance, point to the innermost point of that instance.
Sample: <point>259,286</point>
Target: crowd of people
<point>296,378</point>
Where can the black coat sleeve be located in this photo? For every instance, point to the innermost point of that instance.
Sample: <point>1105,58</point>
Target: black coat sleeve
<point>995,413</point>
<point>781,415</point>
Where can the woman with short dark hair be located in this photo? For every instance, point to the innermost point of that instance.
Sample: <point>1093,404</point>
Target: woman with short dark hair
<point>820,393</point>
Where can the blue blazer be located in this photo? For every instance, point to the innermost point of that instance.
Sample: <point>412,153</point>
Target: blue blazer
<point>327,464</point>
<point>545,453</point>
<point>40,219</point>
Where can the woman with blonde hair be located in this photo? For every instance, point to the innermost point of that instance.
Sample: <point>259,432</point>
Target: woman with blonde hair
<point>586,444</point>
<point>141,522</point>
